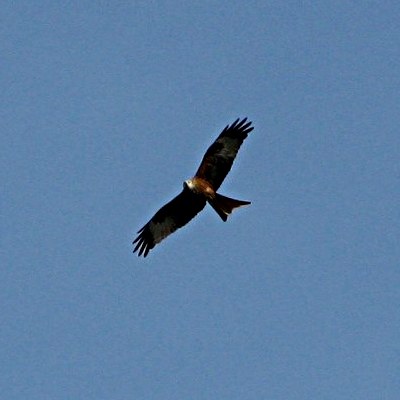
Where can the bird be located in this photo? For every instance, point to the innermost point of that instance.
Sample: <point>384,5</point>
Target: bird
<point>199,190</point>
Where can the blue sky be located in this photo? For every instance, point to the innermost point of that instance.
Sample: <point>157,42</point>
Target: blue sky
<point>106,107</point>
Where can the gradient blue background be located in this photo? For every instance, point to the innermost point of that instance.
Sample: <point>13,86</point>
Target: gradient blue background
<point>106,107</point>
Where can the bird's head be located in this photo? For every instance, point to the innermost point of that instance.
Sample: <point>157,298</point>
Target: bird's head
<point>188,184</point>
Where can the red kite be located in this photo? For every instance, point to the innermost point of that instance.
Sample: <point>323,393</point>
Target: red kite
<point>199,190</point>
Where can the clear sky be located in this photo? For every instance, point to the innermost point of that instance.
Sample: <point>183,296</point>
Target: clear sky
<point>107,107</point>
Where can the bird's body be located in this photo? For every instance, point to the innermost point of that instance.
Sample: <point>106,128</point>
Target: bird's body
<point>200,186</point>
<point>199,190</point>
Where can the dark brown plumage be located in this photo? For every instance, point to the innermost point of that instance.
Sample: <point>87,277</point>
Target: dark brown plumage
<point>199,190</point>
<point>219,157</point>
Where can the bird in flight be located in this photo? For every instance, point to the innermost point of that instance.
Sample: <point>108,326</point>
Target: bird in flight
<point>199,190</point>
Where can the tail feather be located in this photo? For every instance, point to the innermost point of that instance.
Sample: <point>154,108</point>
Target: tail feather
<point>224,205</point>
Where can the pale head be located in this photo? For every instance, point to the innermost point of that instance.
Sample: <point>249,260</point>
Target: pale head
<point>189,183</point>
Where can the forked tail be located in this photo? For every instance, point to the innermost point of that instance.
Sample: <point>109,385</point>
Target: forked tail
<point>224,205</point>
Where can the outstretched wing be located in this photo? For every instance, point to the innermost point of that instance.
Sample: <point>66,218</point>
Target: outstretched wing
<point>175,214</point>
<point>219,157</point>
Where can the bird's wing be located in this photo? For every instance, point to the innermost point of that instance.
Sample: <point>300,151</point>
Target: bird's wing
<point>219,157</point>
<point>172,216</point>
